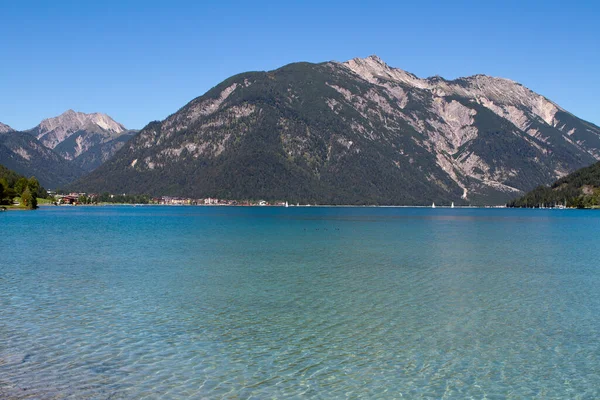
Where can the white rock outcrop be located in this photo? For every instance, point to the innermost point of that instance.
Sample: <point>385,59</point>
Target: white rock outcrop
<point>5,128</point>
<point>92,129</point>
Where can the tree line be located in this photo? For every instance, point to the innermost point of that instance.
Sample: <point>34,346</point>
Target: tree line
<point>113,198</point>
<point>581,189</point>
<point>14,185</point>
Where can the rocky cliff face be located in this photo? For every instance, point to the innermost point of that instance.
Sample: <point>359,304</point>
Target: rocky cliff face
<point>100,153</point>
<point>454,117</point>
<point>73,133</point>
<point>355,132</point>
<point>5,128</point>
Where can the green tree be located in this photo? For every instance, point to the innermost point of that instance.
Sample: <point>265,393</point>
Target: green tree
<point>28,199</point>
<point>6,192</point>
<point>9,195</point>
<point>20,185</point>
<point>34,187</point>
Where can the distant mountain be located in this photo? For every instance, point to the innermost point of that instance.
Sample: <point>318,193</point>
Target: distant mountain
<point>23,153</point>
<point>63,148</point>
<point>71,134</point>
<point>358,132</point>
<point>5,128</point>
<point>101,152</point>
<point>578,189</point>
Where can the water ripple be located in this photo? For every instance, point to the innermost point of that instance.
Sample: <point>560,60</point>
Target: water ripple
<point>362,303</point>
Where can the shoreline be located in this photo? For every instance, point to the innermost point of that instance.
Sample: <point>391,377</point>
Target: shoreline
<point>299,206</point>
<point>260,206</point>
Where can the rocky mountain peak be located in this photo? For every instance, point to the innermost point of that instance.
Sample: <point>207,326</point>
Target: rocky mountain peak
<point>504,97</point>
<point>373,69</point>
<point>5,128</point>
<point>54,131</point>
<point>72,121</point>
<point>373,60</point>
<point>62,148</point>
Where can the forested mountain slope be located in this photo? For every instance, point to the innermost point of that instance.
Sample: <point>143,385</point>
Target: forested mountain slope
<point>358,132</point>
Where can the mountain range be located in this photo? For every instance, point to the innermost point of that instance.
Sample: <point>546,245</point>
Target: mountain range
<point>63,148</point>
<point>354,132</point>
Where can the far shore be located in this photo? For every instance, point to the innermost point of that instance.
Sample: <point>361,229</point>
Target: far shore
<point>46,205</point>
<point>291,206</point>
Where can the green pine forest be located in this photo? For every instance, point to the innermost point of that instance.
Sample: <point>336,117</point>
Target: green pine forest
<point>13,185</point>
<point>581,189</point>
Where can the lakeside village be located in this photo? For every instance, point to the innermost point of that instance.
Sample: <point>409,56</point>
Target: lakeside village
<point>96,199</point>
<point>74,199</point>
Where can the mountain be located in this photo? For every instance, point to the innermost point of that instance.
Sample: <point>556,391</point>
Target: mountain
<point>578,189</point>
<point>98,154</point>
<point>5,128</point>
<point>73,133</point>
<point>25,154</point>
<point>61,149</point>
<point>357,132</point>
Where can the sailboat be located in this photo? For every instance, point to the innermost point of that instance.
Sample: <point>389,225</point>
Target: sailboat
<point>286,204</point>
<point>452,205</point>
<point>432,205</point>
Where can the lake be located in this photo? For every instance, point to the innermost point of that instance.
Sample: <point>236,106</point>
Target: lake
<point>271,302</point>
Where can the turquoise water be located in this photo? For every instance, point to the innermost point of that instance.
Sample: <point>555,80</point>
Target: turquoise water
<point>261,302</point>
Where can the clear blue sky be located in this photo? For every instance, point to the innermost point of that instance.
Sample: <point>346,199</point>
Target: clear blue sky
<point>140,61</point>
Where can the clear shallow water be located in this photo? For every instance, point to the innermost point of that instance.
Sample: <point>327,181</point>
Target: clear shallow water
<point>209,302</point>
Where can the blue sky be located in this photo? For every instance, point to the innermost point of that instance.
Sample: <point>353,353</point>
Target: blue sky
<point>140,61</point>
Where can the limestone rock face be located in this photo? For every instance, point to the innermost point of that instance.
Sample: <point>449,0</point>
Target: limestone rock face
<point>73,133</point>
<point>5,128</point>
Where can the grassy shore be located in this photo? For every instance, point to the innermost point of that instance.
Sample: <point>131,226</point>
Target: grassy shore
<point>40,202</point>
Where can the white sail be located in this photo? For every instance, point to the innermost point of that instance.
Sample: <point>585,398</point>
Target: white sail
<point>432,205</point>
<point>452,206</point>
